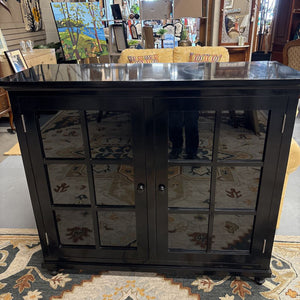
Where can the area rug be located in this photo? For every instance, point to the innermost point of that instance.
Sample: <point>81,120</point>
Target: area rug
<point>15,150</point>
<point>21,277</point>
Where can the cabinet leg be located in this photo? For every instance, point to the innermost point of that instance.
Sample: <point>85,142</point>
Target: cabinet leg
<point>259,280</point>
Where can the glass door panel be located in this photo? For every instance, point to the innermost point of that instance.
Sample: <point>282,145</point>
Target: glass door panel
<point>61,134</point>
<point>187,231</point>
<point>189,186</point>
<point>69,184</point>
<point>114,184</point>
<point>191,134</point>
<point>232,232</point>
<point>243,135</point>
<point>75,227</point>
<point>110,134</point>
<point>90,160</point>
<point>237,187</point>
<point>117,228</point>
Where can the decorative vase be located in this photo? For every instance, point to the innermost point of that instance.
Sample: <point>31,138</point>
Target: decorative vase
<point>184,43</point>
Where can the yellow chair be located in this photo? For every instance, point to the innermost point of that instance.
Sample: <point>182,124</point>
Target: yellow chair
<point>291,58</point>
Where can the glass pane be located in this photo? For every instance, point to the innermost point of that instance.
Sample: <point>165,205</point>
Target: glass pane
<point>187,231</point>
<point>189,186</point>
<point>114,184</point>
<point>232,232</point>
<point>117,228</point>
<point>243,135</point>
<point>237,187</point>
<point>75,227</point>
<point>110,134</point>
<point>69,184</point>
<point>191,134</point>
<point>61,134</point>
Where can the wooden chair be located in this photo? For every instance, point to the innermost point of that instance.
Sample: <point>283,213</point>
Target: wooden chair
<point>5,108</point>
<point>291,54</point>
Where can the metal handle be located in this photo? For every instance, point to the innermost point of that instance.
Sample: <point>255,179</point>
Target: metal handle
<point>140,187</point>
<point>161,188</point>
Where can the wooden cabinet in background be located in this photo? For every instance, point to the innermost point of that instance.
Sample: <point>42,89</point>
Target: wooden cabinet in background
<point>36,57</point>
<point>288,18</point>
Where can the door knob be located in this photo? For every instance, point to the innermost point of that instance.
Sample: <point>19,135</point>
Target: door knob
<point>140,187</point>
<point>161,187</point>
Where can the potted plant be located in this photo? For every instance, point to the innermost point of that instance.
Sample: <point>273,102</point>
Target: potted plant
<point>162,32</point>
<point>184,41</point>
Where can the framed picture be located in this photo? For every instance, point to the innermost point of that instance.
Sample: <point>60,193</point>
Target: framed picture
<point>228,4</point>
<point>16,60</point>
<point>120,38</point>
<point>3,46</point>
<point>81,34</point>
<point>134,33</point>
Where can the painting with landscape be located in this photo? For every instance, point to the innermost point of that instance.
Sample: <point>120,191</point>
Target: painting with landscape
<point>80,29</point>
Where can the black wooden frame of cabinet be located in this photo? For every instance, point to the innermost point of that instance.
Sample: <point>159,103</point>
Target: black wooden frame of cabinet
<point>282,101</point>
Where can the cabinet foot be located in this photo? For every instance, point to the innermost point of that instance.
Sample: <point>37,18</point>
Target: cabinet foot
<point>259,280</point>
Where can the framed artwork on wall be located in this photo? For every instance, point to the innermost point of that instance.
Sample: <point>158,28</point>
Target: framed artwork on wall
<point>134,33</point>
<point>16,60</point>
<point>3,46</point>
<point>228,4</point>
<point>80,29</point>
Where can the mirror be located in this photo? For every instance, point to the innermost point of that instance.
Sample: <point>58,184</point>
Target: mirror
<point>235,21</point>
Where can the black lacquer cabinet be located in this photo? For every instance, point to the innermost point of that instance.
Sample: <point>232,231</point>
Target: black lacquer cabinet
<point>156,166</point>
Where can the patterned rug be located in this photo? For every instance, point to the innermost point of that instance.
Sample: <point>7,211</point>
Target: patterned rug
<point>21,277</point>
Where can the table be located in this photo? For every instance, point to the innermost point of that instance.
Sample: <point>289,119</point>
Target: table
<point>140,166</point>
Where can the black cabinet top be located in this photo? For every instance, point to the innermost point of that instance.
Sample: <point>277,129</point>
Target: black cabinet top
<point>155,75</point>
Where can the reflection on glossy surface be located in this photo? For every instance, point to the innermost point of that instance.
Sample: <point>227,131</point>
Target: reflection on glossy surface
<point>189,186</point>
<point>191,134</point>
<point>69,184</point>
<point>117,228</point>
<point>61,134</point>
<point>187,231</point>
<point>232,232</point>
<point>242,135</point>
<point>236,20</point>
<point>110,134</point>
<point>258,70</point>
<point>237,187</point>
<point>75,227</point>
<point>114,184</point>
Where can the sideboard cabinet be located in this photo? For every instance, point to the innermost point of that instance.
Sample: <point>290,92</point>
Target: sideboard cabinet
<point>156,166</point>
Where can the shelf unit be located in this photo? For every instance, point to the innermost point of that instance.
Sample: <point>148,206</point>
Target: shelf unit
<point>288,18</point>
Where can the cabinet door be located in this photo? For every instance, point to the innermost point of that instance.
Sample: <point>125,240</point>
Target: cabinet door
<point>215,169</point>
<point>89,166</point>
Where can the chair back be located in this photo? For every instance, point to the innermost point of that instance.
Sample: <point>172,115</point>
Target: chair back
<point>291,54</point>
